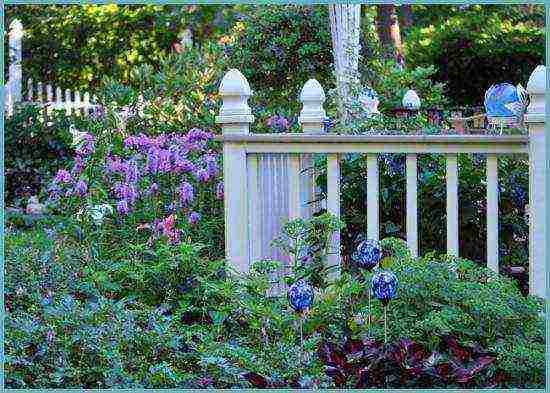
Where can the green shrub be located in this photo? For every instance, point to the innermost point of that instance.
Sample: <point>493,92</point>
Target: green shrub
<point>278,48</point>
<point>66,327</point>
<point>180,92</point>
<point>111,39</point>
<point>36,147</point>
<point>489,46</point>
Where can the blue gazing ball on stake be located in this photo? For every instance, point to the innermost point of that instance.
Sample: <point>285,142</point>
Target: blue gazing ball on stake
<point>300,295</point>
<point>384,286</point>
<point>367,254</point>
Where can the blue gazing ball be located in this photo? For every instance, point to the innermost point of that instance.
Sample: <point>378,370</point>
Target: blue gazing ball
<point>504,100</point>
<point>384,286</point>
<point>300,295</point>
<point>367,254</point>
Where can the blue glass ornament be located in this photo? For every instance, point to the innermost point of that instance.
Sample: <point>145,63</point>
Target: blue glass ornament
<point>384,286</point>
<point>300,295</point>
<point>505,100</point>
<point>367,254</point>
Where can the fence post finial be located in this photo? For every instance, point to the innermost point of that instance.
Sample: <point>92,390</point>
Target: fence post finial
<point>538,199</point>
<point>235,114</point>
<point>312,115</point>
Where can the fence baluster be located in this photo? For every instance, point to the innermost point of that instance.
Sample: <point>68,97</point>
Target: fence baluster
<point>77,104</point>
<point>39,92</point>
<point>492,212</point>
<point>452,204</point>
<point>412,203</point>
<point>333,207</point>
<point>49,93</point>
<point>58,98</point>
<point>68,102</point>
<point>373,226</point>
<point>29,90</point>
<point>294,186</point>
<point>87,106</point>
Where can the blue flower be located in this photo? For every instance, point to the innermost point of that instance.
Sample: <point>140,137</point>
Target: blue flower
<point>367,254</point>
<point>300,295</point>
<point>384,286</point>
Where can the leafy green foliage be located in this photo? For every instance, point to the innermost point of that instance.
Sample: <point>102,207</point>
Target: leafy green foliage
<point>111,39</point>
<point>278,48</point>
<point>36,147</point>
<point>68,327</point>
<point>488,44</point>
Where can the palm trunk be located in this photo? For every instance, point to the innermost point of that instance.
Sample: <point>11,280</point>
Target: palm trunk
<point>345,30</point>
<point>388,32</point>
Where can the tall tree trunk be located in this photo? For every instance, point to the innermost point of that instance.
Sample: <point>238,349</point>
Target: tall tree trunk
<point>406,16</point>
<point>387,25</point>
<point>345,29</point>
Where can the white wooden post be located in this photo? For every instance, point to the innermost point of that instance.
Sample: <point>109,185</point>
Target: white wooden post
<point>58,98</point>
<point>68,102</point>
<point>49,93</point>
<point>373,222</point>
<point>412,203</point>
<point>86,103</point>
<point>39,92</point>
<point>77,102</point>
<point>452,205</point>
<point>15,77</point>
<point>311,118</point>
<point>333,207</point>
<point>235,117</point>
<point>492,212</point>
<point>538,199</point>
<point>29,90</point>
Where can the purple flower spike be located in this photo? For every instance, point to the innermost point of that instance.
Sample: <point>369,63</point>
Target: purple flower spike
<point>194,218</point>
<point>122,207</point>
<point>202,175</point>
<point>62,176</point>
<point>81,188</point>
<point>186,193</point>
<point>219,191</point>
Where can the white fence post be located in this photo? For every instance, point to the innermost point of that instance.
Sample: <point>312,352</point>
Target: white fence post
<point>311,118</point>
<point>15,56</point>
<point>535,121</point>
<point>235,117</point>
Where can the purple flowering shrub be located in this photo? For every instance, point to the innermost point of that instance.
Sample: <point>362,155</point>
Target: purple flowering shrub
<point>163,186</point>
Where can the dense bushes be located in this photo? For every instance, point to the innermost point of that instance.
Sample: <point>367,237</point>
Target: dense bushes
<point>111,39</point>
<point>489,47</point>
<point>279,48</point>
<point>66,328</point>
<point>36,146</point>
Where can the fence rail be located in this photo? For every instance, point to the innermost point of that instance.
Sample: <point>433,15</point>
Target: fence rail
<point>268,177</point>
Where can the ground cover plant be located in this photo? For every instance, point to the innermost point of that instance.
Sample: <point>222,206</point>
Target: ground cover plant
<point>114,247</point>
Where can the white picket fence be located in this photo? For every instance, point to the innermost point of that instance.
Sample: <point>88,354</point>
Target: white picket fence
<point>266,179</point>
<point>46,95</point>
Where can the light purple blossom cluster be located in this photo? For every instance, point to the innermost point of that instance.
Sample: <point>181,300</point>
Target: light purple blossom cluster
<point>165,171</point>
<point>169,167</point>
<point>278,123</point>
<point>70,183</point>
